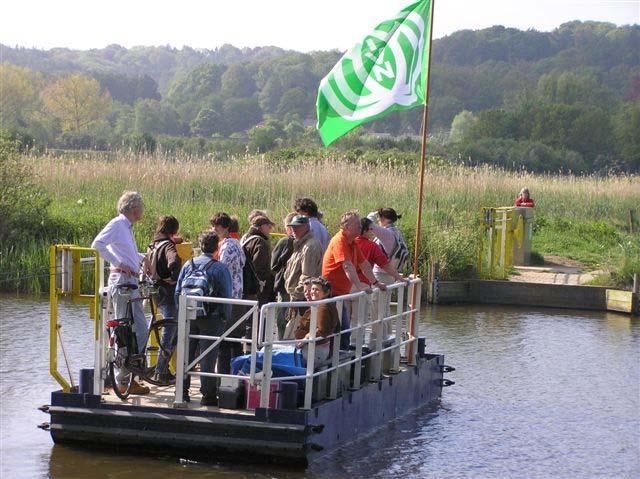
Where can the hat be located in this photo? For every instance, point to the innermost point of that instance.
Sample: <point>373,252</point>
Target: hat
<point>261,220</point>
<point>298,220</point>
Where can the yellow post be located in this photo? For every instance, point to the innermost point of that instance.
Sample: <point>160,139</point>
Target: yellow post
<point>75,273</point>
<point>53,321</point>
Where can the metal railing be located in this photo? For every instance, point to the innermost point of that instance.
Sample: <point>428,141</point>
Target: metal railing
<point>264,336</point>
<point>65,263</point>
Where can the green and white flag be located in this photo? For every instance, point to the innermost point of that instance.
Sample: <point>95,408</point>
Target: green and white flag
<point>386,72</point>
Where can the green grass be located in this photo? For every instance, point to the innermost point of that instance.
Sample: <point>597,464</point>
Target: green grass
<point>583,218</point>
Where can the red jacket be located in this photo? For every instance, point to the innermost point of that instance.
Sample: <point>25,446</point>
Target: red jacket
<point>521,202</point>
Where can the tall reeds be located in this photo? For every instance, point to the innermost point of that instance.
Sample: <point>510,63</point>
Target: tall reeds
<point>84,191</point>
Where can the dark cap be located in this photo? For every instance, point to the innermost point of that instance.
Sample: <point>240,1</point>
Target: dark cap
<point>261,220</point>
<point>298,220</point>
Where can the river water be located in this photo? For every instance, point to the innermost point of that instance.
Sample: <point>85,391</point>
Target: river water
<point>538,393</point>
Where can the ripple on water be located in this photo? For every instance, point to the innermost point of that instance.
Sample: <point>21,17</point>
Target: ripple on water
<point>539,393</point>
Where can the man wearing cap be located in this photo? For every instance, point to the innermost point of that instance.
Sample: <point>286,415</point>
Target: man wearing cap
<point>257,250</point>
<point>306,260</point>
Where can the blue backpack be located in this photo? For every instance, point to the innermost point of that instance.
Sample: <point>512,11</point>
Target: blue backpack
<point>196,283</point>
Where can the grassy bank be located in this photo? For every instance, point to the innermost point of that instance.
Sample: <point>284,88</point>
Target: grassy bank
<point>584,218</point>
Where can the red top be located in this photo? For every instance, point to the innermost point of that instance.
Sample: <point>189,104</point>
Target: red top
<point>528,203</point>
<point>339,251</point>
<point>372,253</point>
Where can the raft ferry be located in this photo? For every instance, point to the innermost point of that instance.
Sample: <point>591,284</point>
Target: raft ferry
<point>268,410</point>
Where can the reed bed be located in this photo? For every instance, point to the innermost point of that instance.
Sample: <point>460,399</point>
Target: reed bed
<point>84,191</point>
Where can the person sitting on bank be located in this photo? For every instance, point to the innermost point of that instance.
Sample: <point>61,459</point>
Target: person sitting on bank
<point>116,244</point>
<point>165,267</point>
<point>327,323</point>
<point>524,200</point>
<point>211,323</point>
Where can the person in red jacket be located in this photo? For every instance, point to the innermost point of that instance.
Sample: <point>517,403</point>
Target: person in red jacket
<point>524,200</point>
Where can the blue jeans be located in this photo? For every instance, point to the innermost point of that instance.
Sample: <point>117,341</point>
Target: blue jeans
<point>169,336</point>
<point>120,302</point>
<point>120,299</point>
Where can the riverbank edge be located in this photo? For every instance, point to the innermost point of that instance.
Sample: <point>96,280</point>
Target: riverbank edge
<point>478,291</point>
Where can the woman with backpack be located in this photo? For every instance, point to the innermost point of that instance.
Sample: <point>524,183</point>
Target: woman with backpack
<point>164,269</point>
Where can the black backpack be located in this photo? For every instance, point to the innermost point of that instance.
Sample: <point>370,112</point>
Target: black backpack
<point>153,254</point>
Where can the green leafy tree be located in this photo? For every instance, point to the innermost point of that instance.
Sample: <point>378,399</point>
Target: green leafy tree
<point>262,138</point>
<point>208,122</point>
<point>461,125</point>
<point>155,117</point>
<point>18,96</point>
<point>76,102</point>
<point>236,82</point>
<point>240,114</point>
<point>295,101</point>
<point>627,133</point>
<point>23,204</point>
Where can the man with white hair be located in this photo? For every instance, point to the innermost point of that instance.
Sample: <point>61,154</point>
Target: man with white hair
<point>116,244</point>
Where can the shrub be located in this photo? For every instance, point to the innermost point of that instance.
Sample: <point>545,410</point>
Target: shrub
<point>23,205</point>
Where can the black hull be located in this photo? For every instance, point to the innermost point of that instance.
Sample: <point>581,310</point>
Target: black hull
<point>292,437</point>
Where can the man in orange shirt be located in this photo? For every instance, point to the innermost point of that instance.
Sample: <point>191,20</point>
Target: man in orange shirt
<point>340,264</point>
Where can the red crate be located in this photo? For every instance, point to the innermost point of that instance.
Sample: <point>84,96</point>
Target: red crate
<point>253,395</point>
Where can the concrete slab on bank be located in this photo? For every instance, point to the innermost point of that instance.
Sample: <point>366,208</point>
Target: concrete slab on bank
<point>533,294</point>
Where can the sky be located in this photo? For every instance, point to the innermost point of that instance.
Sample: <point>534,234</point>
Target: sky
<point>301,25</point>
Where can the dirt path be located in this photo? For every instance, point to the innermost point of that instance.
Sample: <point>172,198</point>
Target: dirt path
<point>556,270</point>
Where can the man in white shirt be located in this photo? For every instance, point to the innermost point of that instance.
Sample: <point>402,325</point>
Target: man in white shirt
<point>116,244</point>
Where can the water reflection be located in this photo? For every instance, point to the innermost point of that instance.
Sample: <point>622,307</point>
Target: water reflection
<point>539,393</point>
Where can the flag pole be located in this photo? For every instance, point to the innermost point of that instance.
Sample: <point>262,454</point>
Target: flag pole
<point>423,155</point>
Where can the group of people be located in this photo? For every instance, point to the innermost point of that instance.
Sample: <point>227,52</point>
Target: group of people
<point>307,264</point>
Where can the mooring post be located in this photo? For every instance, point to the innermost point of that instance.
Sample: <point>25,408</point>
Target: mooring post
<point>636,283</point>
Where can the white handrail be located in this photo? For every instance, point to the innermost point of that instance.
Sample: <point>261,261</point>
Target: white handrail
<point>263,327</point>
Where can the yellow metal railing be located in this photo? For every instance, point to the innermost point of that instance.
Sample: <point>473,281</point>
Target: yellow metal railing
<point>505,240</point>
<point>64,281</point>
<point>65,276</point>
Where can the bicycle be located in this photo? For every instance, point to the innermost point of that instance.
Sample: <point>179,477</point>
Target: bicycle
<point>123,346</point>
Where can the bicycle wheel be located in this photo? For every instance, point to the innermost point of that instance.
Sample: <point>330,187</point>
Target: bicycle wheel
<point>155,349</point>
<point>121,390</point>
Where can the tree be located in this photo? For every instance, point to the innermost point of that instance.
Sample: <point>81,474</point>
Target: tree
<point>494,124</point>
<point>18,96</point>
<point>461,125</point>
<point>627,132</point>
<point>23,205</point>
<point>241,114</point>
<point>155,117</point>
<point>262,138</point>
<point>294,101</point>
<point>76,102</point>
<point>208,122</point>
<point>237,82</point>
